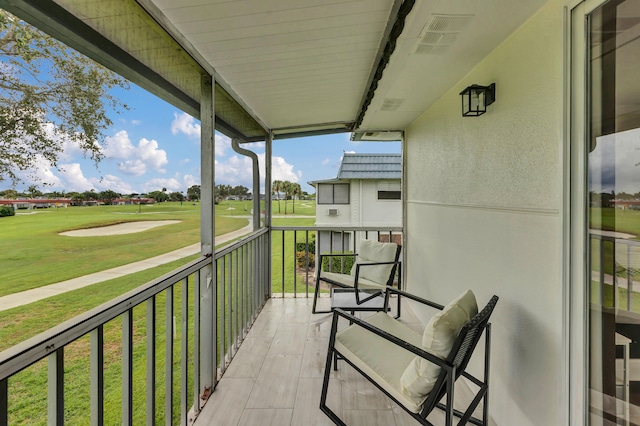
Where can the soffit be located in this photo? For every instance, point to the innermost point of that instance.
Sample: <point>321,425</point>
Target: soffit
<point>442,42</point>
<point>300,65</point>
<point>295,66</point>
<point>305,65</point>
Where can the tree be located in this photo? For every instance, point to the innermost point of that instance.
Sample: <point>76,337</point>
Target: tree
<point>90,195</point>
<point>176,196</point>
<point>193,193</point>
<point>159,196</point>
<point>108,196</point>
<point>296,191</point>
<point>9,194</point>
<point>240,191</point>
<point>49,95</point>
<point>276,187</point>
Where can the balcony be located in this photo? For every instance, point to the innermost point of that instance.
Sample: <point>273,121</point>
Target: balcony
<point>260,350</point>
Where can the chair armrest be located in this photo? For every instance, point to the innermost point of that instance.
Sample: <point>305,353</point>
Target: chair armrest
<point>414,297</point>
<point>355,321</point>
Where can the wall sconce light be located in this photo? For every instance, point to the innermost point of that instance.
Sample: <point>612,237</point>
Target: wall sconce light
<point>476,98</point>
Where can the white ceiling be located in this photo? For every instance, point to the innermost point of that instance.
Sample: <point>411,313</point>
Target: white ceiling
<point>301,62</point>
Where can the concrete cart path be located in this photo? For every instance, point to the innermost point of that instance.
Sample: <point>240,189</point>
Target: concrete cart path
<point>29,296</point>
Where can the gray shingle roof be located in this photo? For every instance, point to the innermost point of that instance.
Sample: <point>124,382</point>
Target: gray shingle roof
<point>370,166</point>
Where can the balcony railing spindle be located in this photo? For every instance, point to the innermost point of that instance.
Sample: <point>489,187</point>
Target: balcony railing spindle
<point>184,354</point>
<point>168,393</point>
<point>96,366</point>
<point>56,388</point>
<point>151,361</point>
<point>127,368</point>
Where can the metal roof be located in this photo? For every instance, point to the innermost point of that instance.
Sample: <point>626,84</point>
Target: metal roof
<point>366,166</point>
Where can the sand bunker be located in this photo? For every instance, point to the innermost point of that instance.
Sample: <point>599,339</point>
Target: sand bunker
<point>119,229</point>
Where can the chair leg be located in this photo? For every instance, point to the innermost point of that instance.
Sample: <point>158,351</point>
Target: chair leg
<point>327,373</point>
<point>316,293</point>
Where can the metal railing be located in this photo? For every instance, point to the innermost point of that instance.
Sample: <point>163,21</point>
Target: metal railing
<point>615,264</point>
<point>156,353</point>
<point>294,248</point>
<point>169,321</point>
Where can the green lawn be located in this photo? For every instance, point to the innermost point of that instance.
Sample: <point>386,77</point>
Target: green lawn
<point>25,389</point>
<point>33,254</point>
<point>611,219</point>
<point>18,324</point>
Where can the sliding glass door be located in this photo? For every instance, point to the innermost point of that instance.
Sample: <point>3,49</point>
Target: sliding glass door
<point>612,148</point>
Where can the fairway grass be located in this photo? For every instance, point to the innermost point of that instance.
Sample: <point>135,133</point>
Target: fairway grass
<point>33,254</point>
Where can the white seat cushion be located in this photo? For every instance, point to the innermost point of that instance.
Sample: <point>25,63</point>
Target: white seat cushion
<point>370,251</point>
<point>380,359</point>
<point>439,335</point>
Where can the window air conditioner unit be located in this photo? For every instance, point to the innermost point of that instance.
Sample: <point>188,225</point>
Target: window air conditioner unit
<point>332,212</point>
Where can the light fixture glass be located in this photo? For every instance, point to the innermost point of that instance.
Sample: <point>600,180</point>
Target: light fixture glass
<point>476,98</point>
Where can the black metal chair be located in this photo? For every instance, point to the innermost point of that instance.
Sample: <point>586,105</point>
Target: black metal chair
<point>360,277</point>
<point>452,367</point>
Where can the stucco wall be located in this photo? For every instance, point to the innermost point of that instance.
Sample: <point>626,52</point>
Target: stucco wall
<point>484,200</point>
<point>379,212</point>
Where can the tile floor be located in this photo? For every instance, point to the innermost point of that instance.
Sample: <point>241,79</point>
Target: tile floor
<point>276,376</point>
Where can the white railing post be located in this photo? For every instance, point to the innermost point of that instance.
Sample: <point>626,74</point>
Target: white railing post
<point>97,376</point>
<point>151,361</point>
<point>55,406</point>
<point>168,394</point>
<point>127,368</point>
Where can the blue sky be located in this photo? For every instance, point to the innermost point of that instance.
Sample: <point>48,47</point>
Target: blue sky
<point>154,145</point>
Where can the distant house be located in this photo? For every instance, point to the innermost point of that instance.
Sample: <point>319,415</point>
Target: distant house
<point>367,192</point>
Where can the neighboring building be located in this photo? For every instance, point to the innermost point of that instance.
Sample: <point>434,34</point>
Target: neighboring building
<point>366,192</point>
<point>36,203</point>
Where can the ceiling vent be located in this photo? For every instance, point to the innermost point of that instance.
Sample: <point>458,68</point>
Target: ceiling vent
<point>391,104</point>
<point>441,32</point>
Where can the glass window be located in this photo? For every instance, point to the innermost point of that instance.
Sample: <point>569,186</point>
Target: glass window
<point>333,193</point>
<point>614,219</point>
<point>388,195</point>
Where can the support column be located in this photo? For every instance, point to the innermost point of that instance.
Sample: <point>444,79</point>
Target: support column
<point>207,164</point>
<point>267,205</point>
<point>207,281</point>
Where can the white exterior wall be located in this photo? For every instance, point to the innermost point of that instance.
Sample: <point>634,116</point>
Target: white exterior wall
<point>378,212</point>
<point>490,217</point>
<point>364,208</point>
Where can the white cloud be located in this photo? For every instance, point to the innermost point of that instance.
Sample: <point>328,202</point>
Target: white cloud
<point>132,167</point>
<point>184,123</point>
<point>326,161</point>
<point>113,183</point>
<point>223,143</point>
<point>237,170</point>
<point>187,125</point>
<point>151,155</point>
<point>118,145</point>
<point>615,162</point>
<point>234,171</point>
<point>172,185</point>
<point>190,180</point>
<point>138,159</point>
<point>42,174</point>
<point>73,178</point>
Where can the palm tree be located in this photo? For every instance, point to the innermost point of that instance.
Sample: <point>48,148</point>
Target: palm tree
<point>296,191</point>
<point>276,187</point>
<point>286,188</point>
